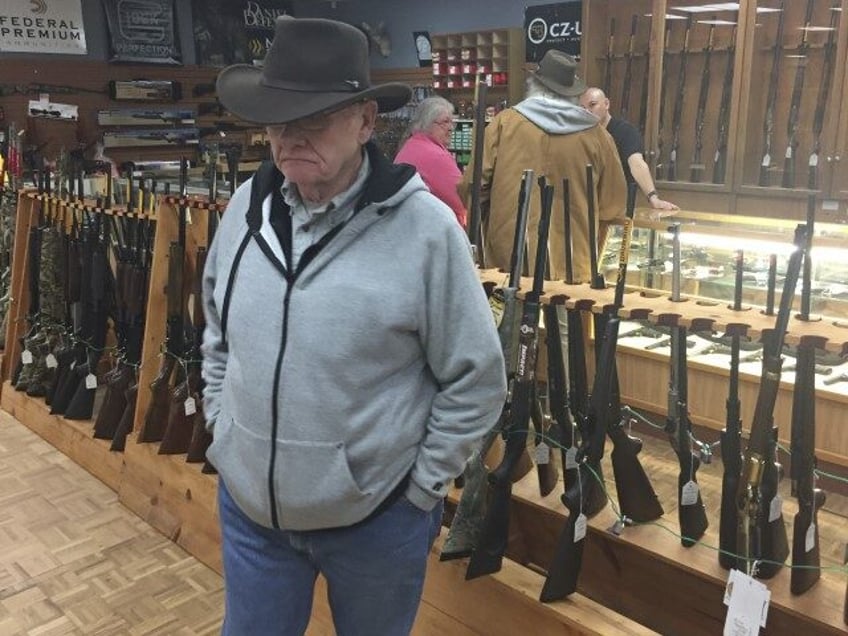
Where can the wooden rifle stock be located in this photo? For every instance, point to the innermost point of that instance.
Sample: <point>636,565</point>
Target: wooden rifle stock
<point>488,554</point>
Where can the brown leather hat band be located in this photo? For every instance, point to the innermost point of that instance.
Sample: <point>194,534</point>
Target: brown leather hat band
<point>347,86</point>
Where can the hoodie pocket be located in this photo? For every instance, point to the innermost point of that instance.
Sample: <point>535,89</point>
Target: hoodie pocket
<point>315,486</point>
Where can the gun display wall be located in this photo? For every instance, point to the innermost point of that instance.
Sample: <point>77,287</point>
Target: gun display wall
<point>744,99</point>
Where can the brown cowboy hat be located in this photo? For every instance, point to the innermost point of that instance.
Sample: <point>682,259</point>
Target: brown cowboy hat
<point>558,72</point>
<point>313,65</point>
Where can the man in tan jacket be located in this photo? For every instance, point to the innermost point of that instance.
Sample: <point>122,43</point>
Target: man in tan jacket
<point>550,133</point>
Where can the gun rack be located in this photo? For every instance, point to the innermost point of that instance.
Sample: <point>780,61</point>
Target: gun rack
<point>179,499</point>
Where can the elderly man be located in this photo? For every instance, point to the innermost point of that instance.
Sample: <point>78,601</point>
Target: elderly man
<point>628,141</point>
<point>350,357</point>
<point>549,132</point>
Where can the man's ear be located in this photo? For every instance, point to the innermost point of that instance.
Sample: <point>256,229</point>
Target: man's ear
<point>368,121</point>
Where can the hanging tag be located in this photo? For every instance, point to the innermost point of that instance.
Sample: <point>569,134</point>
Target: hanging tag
<point>51,361</point>
<point>775,508</point>
<point>810,538</point>
<point>789,152</point>
<point>190,406</point>
<point>73,365</point>
<point>766,162</point>
<point>689,494</point>
<point>747,602</point>
<point>542,454</point>
<point>814,160</point>
<point>571,458</point>
<point>26,356</point>
<point>91,381</point>
<point>580,528</point>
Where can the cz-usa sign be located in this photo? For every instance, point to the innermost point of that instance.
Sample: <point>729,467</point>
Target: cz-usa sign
<point>553,26</point>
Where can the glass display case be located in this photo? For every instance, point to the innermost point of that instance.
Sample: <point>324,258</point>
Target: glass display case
<point>709,244</point>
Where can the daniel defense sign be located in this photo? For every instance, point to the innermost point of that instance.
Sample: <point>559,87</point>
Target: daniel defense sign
<point>42,26</point>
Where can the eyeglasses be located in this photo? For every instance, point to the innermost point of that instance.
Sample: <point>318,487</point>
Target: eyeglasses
<point>312,124</point>
<point>445,122</point>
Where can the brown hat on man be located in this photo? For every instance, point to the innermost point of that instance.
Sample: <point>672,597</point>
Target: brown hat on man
<point>558,72</point>
<point>313,65</point>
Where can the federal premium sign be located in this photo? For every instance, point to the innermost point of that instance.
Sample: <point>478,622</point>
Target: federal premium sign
<point>42,26</point>
<point>553,26</point>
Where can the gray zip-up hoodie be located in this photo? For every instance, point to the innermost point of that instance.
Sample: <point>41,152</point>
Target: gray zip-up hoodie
<point>377,360</point>
<point>556,116</point>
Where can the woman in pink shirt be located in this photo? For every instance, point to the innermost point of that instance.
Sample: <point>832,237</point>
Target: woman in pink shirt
<point>426,149</point>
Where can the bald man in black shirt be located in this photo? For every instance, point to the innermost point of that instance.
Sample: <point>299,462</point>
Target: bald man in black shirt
<point>628,141</point>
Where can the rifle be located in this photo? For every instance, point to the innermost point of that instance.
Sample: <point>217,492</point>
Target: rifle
<point>624,104</point>
<point>829,53</point>
<point>805,530</point>
<point>488,554</point>
<point>703,93</point>
<point>643,99</point>
<point>759,535</point>
<point>156,418</point>
<point>771,100</point>
<point>731,436</point>
<point>807,271</point>
<point>470,511</point>
<point>636,496</point>
<point>795,105</point>
<point>566,234</point>
<point>609,56</point>
<point>677,115</point>
<point>720,160</point>
<point>475,219</point>
<point>690,508</point>
<point>564,568</point>
<point>658,167</point>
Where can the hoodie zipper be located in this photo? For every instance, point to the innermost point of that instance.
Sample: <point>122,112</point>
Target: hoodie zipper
<point>275,394</point>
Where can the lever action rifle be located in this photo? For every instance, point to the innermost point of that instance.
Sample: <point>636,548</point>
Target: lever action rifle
<point>156,418</point>
<point>823,97</point>
<point>470,511</point>
<point>690,508</point>
<point>793,121</point>
<point>806,559</point>
<point>731,436</point>
<point>771,100</point>
<point>489,552</point>
<point>677,115</point>
<point>761,534</point>
<point>697,166</point>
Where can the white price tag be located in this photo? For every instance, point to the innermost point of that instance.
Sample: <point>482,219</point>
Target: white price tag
<point>73,365</point>
<point>717,156</point>
<point>190,406</point>
<point>51,361</point>
<point>91,381</point>
<point>571,458</point>
<point>766,162</point>
<point>775,508</point>
<point>814,160</point>
<point>810,538</point>
<point>689,494</point>
<point>542,454</point>
<point>789,152</point>
<point>26,356</point>
<point>580,528</point>
<point>747,603</point>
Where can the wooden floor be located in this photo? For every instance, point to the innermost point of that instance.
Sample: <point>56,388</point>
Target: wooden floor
<point>74,561</point>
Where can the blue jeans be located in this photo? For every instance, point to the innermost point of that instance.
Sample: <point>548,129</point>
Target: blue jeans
<point>374,571</point>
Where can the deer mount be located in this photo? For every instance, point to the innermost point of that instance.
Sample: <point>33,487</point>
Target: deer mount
<point>378,38</point>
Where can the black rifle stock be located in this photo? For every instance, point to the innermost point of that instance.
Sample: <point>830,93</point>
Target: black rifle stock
<point>564,569</point>
<point>806,559</point>
<point>488,554</point>
<point>823,97</point>
<point>771,100</point>
<point>677,115</point>
<point>793,121</point>
<point>697,166</point>
<point>723,119</point>
<point>751,501</point>
<point>470,511</point>
<point>731,437</point>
